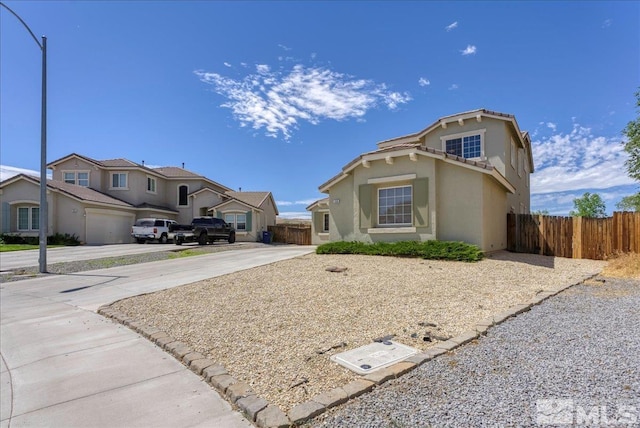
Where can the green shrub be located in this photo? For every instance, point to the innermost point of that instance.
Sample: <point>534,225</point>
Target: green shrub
<point>57,239</point>
<point>434,250</point>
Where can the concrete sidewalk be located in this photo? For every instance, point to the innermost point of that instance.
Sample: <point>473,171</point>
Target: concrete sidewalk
<point>65,365</point>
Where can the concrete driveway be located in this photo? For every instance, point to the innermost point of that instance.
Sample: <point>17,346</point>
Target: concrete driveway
<point>65,365</point>
<point>22,259</point>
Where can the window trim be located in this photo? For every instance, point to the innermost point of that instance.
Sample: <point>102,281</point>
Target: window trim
<point>119,173</point>
<point>520,162</point>
<point>394,225</point>
<point>154,191</point>
<point>76,180</point>
<point>326,222</point>
<point>462,135</point>
<point>234,223</point>
<point>514,151</point>
<point>30,218</point>
<point>178,195</point>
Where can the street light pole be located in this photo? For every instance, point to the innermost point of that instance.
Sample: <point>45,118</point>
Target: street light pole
<point>43,220</point>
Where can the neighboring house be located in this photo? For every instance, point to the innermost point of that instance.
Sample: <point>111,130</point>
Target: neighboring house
<point>456,180</point>
<point>99,201</point>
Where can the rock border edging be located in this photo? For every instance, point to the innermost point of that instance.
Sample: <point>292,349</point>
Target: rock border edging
<point>265,415</point>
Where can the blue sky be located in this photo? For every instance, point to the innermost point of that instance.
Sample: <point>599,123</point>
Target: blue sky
<point>280,95</point>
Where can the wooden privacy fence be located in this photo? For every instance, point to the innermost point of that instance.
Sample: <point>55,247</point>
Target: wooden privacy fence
<point>574,237</point>
<point>291,234</point>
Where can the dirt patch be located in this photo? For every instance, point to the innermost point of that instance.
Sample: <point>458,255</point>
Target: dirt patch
<point>623,266</point>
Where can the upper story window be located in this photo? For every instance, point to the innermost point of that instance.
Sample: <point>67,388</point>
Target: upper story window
<point>119,180</point>
<point>80,178</point>
<point>238,221</point>
<point>183,192</point>
<point>28,218</point>
<point>520,162</point>
<point>514,151</point>
<point>469,145</point>
<point>395,206</point>
<point>151,184</point>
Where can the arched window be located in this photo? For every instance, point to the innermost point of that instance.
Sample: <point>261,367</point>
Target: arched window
<point>183,191</point>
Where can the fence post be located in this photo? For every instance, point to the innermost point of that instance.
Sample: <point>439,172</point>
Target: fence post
<point>577,238</point>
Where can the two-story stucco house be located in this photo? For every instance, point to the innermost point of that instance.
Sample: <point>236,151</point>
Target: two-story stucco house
<point>455,180</point>
<point>98,201</point>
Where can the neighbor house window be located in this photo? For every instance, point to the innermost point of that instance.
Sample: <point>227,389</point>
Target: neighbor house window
<point>468,145</point>
<point>325,222</point>
<point>151,184</point>
<point>514,151</point>
<point>238,221</point>
<point>183,192</point>
<point>119,180</point>
<point>78,178</point>
<point>394,206</point>
<point>28,218</point>
<point>520,162</point>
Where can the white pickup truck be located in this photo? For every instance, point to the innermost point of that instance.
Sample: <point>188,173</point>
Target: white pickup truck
<point>153,229</point>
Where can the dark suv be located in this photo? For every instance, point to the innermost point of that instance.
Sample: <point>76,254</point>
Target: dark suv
<point>207,229</point>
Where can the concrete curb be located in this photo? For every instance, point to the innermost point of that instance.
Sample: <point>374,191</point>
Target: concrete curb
<point>265,415</point>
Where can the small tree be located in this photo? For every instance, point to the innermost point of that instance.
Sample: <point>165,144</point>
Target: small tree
<point>540,212</point>
<point>632,146</point>
<point>589,205</point>
<point>629,203</point>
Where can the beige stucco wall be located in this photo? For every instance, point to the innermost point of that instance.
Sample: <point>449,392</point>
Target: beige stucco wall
<point>494,215</point>
<point>96,179</point>
<point>23,193</point>
<point>459,204</point>
<point>345,214</point>
<point>257,221</point>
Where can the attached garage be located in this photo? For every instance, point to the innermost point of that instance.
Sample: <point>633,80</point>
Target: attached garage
<point>108,226</point>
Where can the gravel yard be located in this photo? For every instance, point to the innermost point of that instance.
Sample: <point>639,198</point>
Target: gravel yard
<point>276,326</point>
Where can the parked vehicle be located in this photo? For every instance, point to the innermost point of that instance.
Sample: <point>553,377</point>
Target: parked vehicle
<point>205,230</point>
<point>154,229</point>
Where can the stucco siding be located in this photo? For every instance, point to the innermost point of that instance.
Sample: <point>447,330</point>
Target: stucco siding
<point>494,216</point>
<point>96,179</point>
<point>459,204</point>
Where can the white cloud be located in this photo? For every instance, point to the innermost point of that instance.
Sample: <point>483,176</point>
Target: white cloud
<point>578,160</point>
<point>304,202</point>
<point>226,64</point>
<point>6,172</point>
<point>452,26</point>
<point>423,82</point>
<point>454,86</point>
<point>551,126</point>
<point>283,47</point>
<point>278,101</point>
<point>469,50</point>
<point>301,215</point>
<point>607,23</point>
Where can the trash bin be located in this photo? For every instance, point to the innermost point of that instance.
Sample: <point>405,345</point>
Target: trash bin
<point>266,237</point>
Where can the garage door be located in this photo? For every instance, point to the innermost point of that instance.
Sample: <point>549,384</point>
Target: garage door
<point>108,226</point>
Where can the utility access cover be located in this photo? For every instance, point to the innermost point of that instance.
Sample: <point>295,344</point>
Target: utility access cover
<point>374,356</point>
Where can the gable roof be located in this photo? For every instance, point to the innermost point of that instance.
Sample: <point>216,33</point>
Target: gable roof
<point>476,115</point>
<point>415,149</point>
<point>168,172</point>
<point>323,201</point>
<point>250,199</point>
<point>81,193</point>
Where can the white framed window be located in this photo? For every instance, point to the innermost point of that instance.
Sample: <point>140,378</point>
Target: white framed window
<point>325,222</point>
<point>119,180</point>
<point>28,218</point>
<point>151,184</point>
<point>395,206</point>
<point>79,178</point>
<point>183,195</point>
<point>238,221</point>
<point>514,153</point>
<point>469,145</point>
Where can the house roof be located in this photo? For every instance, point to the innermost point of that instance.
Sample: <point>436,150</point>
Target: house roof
<point>250,199</point>
<point>323,201</point>
<point>169,172</point>
<point>415,149</point>
<point>78,192</point>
